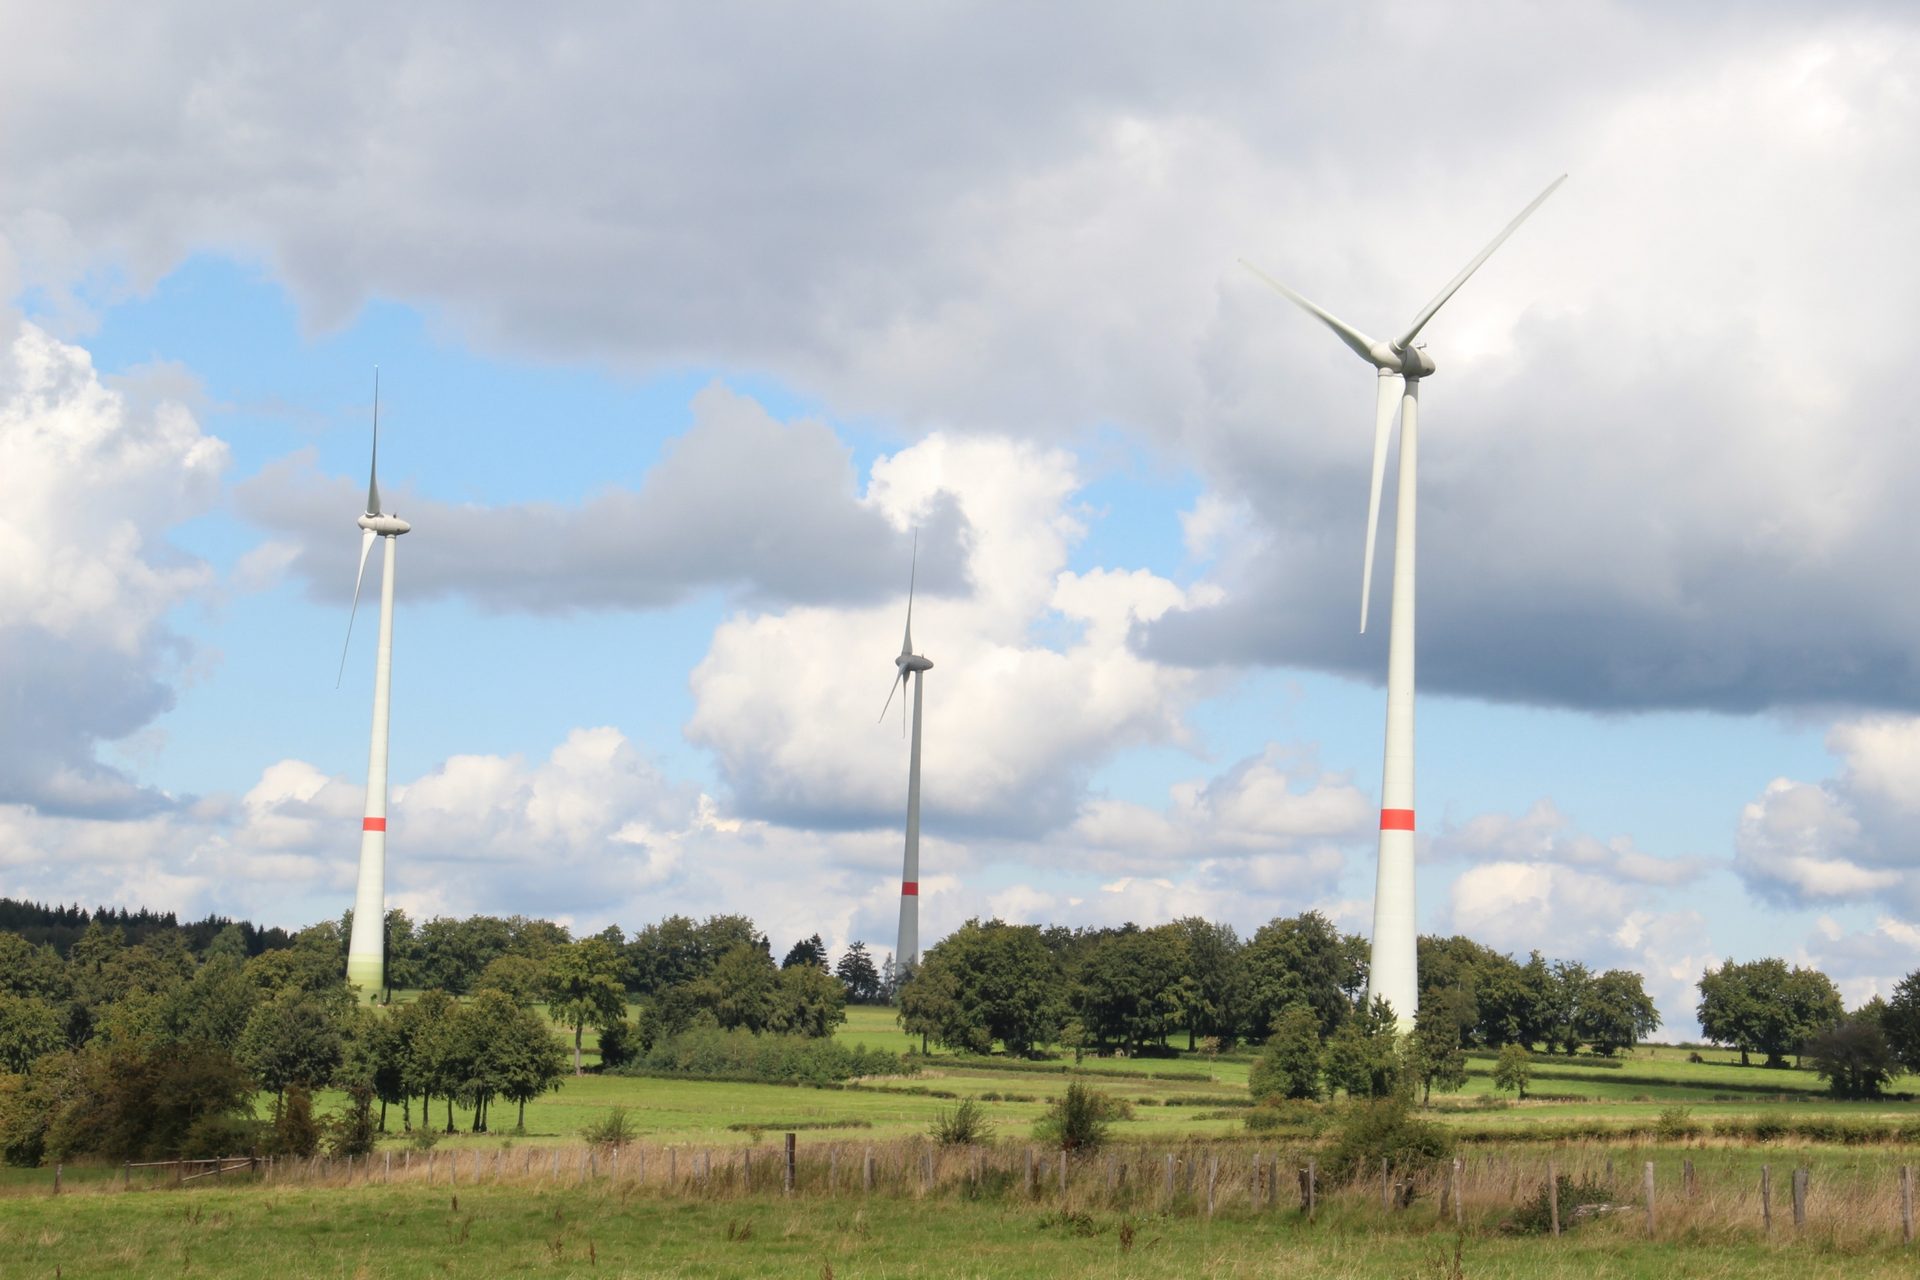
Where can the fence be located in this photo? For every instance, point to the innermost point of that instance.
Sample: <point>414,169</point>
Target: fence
<point>1853,1196</point>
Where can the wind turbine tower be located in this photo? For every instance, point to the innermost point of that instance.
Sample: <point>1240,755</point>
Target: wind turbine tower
<point>366,950</point>
<point>1401,364</point>
<point>910,666</point>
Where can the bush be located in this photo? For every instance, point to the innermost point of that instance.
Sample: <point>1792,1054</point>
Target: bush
<point>1080,1119</point>
<point>618,1045</point>
<point>295,1132</point>
<point>1535,1216</point>
<point>1286,1116</point>
<point>965,1125</point>
<point>1385,1129</point>
<point>1674,1124</point>
<point>350,1130</point>
<point>613,1130</point>
<point>711,1054</point>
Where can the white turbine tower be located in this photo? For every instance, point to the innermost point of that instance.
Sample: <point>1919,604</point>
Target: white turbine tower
<point>366,950</point>
<point>1393,972</point>
<point>906,667</point>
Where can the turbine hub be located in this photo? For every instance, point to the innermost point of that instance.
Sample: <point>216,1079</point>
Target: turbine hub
<point>912,662</point>
<point>385,526</point>
<point>1408,362</point>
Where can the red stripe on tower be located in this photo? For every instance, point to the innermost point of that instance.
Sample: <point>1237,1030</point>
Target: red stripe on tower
<point>909,888</point>
<point>374,824</point>
<point>1396,819</point>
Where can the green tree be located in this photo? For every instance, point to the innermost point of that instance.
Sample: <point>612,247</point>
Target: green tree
<point>1434,1058</point>
<point>1127,989</point>
<point>522,978</point>
<point>858,975</point>
<point>1292,961</point>
<point>807,951</point>
<point>1513,1069</point>
<point>740,991</point>
<point>526,1061</point>
<point>1853,1057</point>
<point>1763,1006</point>
<point>292,1039</point>
<point>1213,986</point>
<point>1362,1057</point>
<point>1616,1012</point>
<point>1900,1021</point>
<point>30,1027</point>
<point>214,1008</point>
<point>584,989</point>
<point>1289,1065</point>
<point>1567,987</point>
<point>431,1028</point>
<point>1003,983</point>
<point>808,1001</point>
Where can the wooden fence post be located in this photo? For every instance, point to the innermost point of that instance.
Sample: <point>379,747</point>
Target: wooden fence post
<point>1166,1181</point>
<point>1906,1204</point>
<point>1766,1200</point>
<point>1800,1197</point>
<point>926,1170</point>
<point>1686,1178</point>
<point>1553,1196</point>
<point>866,1176</point>
<point>1386,1185</point>
<point>58,1169</point>
<point>1459,1211</point>
<point>126,1173</point>
<point>1029,1184</point>
<point>1646,1181</point>
<point>1063,1172</point>
<point>386,1174</point>
<point>1313,1186</point>
<point>1213,1176</point>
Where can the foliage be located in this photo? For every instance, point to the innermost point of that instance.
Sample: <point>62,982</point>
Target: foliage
<point>293,1038</point>
<point>130,1102</point>
<point>1675,1124</point>
<point>1900,1020</point>
<point>349,1131</point>
<point>810,951</point>
<point>1213,978</point>
<point>295,1132</point>
<point>1534,1217</point>
<point>585,988</point>
<point>614,1129</point>
<point>30,1026</point>
<point>1081,1119</point>
<point>1362,1058</point>
<point>965,1125</point>
<point>1513,1069</point>
<point>1762,1006</point>
<point>987,982</point>
<point>522,978</point>
<point>1615,1012</point>
<point>1853,1057</point>
<point>618,1045</point>
<point>858,975</point>
<point>712,1054</point>
<point>1385,1129</point>
<point>1432,1056</point>
<point>807,1001</point>
<point>1302,960</point>
<point>1289,1066</point>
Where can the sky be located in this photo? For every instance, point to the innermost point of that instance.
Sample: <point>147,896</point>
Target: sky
<point>690,320</point>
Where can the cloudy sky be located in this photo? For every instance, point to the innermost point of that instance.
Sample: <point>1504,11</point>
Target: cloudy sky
<point>689,317</point>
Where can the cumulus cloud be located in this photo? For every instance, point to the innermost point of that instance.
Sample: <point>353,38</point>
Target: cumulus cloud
<point>740,502</point>
<point>1034,682</point>
<point>1842,839</point>
<point>91,483</point>
<point>1544,835</point>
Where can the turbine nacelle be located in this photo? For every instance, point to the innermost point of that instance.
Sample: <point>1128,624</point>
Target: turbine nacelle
<point>911,662</point>
<point>1408,362</point>
<point>384,526</point>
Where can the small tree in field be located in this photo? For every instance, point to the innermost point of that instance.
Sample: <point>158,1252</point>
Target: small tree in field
<point>1513,1070</point>
<point>584,989</point>
<point>1289,1066</point>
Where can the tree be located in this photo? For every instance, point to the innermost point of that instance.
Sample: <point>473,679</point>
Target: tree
<point>1616,1012</point>
<point>1362,1057</point>
<point>521,978</point>
<point>807,951</point>
<point>1213,986</point>
<point>1513,1069</point>
<point>1762,1006</point>
<point>1289,1065</point>
<point>430,1026</point>
<point>30,1027</point>
<point>997,981</point>
<point>1853,1057</point>
<point>214,1008</point>
<point>808,1001</point>
<point>740,989</point>
<point>291,1039</point>
<point>528,1062</point>
<point>1567,987</point>
<point>1900,1020</point>
<point>1297,960</point>
<point>857,973</point>
<point>1434,1058</point>
<point>1127,989</point>
<point>584,989</point>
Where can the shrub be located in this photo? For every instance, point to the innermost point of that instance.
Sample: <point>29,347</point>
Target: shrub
<point>1081,1118</point>
<point>613,1130</point>
<point>1675,1123</point>
<point>295,1132</point>
<point>965,1125</point>
<point>1385,1129</point>
<point>1535,1216</point>
<point>618,1045</point>
<point>350,1130</point>
<point>711,1054</point>
<point>1291,1115</point>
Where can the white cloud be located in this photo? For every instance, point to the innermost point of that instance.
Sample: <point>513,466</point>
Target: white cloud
<point>91,483</point>
<point>1544,835</point>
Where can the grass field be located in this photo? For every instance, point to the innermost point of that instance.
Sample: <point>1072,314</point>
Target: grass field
<point>321,1223</point>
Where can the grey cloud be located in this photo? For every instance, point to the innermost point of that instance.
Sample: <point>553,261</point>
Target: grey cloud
<point>740,502</point>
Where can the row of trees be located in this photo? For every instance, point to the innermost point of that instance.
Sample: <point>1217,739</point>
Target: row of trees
<point>1131,989</point>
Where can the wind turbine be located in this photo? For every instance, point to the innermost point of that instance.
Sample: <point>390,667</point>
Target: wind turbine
<point>908,665</point>
<point>366,950</point>
<point>1393,973</point>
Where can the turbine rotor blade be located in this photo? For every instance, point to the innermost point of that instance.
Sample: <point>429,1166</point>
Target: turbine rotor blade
<point>1426,312</point>
<point>366,547</point>
<point>1386,404</point>
<point>913,576</point>
<point>892,689</point>
<point>373,468</point>
<point>1362,345</point>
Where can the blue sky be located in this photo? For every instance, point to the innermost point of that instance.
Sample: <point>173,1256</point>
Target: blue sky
<point>665,407</point>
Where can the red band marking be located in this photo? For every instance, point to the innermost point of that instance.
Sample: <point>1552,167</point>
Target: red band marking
<point>374,824</point>
<point>909,888</point>
<point>1396,819</point>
